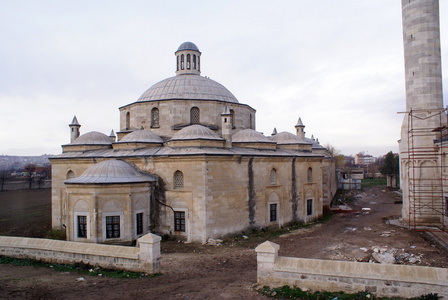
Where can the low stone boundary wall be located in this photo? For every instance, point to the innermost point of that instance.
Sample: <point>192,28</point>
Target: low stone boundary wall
<point>351,277</point>
<point>145,257</point>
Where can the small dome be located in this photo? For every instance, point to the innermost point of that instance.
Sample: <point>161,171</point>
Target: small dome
<point>249,136</point>
<point>287,138</point>
<point>111,171</point>
<point>141,136</point>
<point>195,132</point>
<point>92,138</point>
<point>188,87</point>
<point>188,46</point>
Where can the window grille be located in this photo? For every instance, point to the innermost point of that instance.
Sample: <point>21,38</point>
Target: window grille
<point>178,180</point>
<point>194,115</point>
<point>139,222</point>
<point>82,226</point>
<point>272,177</point>
<point>273,212</point>
<point>155,117</point>
<point>112,227</point>
<point>179,221</point>
<point>310,175</point>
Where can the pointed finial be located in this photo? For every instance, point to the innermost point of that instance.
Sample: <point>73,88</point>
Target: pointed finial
<point>312,137</point>
<point>112,136</point>
<point>274,132</point>
<point>317,141</point>
<point>226,111</point>
<point>299,123</point>
<point>74,121</point>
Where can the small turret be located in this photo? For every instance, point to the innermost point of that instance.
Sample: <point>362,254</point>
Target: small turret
<point>74,129</point>
<point>112,136</point>
<point>300,129</point>
<point>226,121</point>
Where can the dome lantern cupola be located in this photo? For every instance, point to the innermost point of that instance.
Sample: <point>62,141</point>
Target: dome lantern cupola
<point>188,59</point>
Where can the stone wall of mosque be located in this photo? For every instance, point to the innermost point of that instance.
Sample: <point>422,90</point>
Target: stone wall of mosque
<point>173,113</point>
<point>219,195</point>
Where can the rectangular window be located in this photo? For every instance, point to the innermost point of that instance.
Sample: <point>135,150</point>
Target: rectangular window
<point>139,223</point>
<point>112,227</point>
<point>179,221</point>
<point>309,207</point>
<point>82,226</point>
<point>273,212</point>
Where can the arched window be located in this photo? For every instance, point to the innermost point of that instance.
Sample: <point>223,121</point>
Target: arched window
<point>310,175</point>
<point>128,121</point>
<point>199,63</point>
<point>250,121</point>
<point>273,177</point>
<point>155,117</point>
<point>232,118</point>
<point>177,68</point>
<point>70,174</point>
<point>194,61</point>
<point>182,62</point>
<point>178,180</point>
<point>194,115</point>
<point>188,61</point>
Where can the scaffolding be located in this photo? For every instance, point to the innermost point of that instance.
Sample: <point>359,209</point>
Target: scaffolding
<point>426,170</point>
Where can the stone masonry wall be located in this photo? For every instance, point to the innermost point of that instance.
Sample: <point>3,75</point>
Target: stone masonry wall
<point>143,258</point>
<point>350,277</point>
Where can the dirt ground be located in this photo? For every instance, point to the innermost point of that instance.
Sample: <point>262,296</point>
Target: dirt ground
<point>195,271</point>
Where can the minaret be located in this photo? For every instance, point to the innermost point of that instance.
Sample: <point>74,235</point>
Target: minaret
<point>424,105</point>
<point>226,123</point>
<point>274,132</point>
<point>74,129</point>
<point>188,59</point>
<point>300,129</point>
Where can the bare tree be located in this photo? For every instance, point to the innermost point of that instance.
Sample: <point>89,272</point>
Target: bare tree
<point>29,170</point>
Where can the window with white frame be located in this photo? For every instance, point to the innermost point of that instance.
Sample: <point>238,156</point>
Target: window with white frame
<point>309,207</point>
<point>112,227</point>
<point>81,228</point>
<point>179,221</point>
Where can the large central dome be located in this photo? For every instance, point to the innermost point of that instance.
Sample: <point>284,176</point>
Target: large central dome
<point>188,86</point>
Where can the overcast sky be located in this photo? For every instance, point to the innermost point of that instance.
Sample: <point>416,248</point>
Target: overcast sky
<point>336,64</point>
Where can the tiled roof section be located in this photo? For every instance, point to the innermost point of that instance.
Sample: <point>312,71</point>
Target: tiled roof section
<point>188,46</point>
<point>250,136</point>
<point>92,138</point>
<point>316,144</point>
<point>287,138</point>
<point>195,132</point>
<point>141,136</point>
<point>190,87</point>
<point>111,172</point>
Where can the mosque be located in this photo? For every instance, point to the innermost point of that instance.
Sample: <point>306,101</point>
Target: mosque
<point>187,162</point>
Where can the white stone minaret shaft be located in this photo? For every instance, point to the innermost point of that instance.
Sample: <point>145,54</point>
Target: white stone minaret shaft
<point>424,99</point>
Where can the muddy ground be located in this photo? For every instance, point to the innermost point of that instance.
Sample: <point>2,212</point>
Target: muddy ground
<point>195,271</point>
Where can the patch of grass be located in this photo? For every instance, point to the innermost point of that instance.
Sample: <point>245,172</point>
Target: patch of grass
<point>287,292</point>
<point>367,182</point>
<point>56,234</point>
<point>79,268</point>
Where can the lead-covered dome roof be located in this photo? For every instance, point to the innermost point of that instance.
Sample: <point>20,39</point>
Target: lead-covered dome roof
<point>195,132</point>
<point>189,87</point>
<point>250,136</point>
<point>141,136</point>
<point>188,46</point>
<point>287,138</point>
<point>111,172</point>
<point>92,138</point>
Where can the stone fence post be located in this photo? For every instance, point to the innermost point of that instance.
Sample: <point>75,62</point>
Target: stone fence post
<point>149,253</point>
<point>267,254</point>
